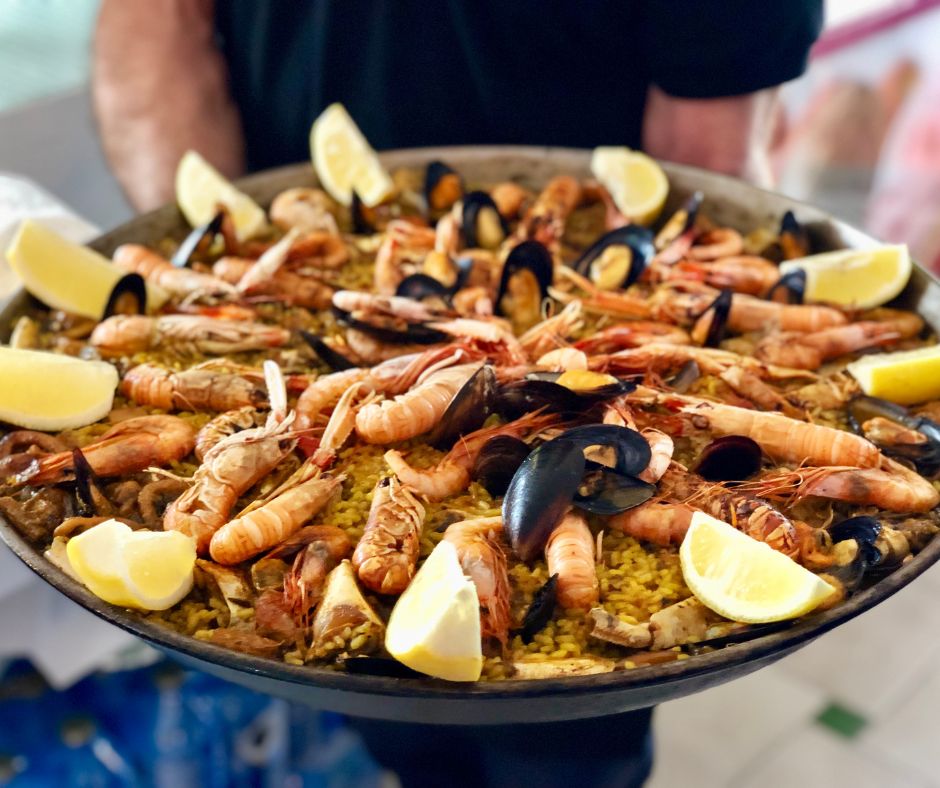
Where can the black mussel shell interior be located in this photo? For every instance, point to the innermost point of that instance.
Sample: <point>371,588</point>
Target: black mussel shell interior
<point>528,256</point>
<point>332,358</point>
<point>129,296</point>
<point>639,242</point>
<point>682,381</point>
<point>442,187</point>
<point>794,239</point>
<point>362,220</point>
<point>680,222</point>
<point>720,310</point>
<point>604,492</point>
<point>732,458</point>
<point>926,456</point>
<point>414,333</point>
<point>85,479</point>
<point>790,288</point>
<point>421,286</point>
<point>467,410</point>
<point>539,390</point>
<point>541,610</point>
<point>864,530</point>
<point>498,461</point>
<point>203,234</point>
<point>631,450</point>
<point>379,666</point>
<point>476,207</point>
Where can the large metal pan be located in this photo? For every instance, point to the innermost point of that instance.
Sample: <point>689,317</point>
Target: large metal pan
<point>728,201</point>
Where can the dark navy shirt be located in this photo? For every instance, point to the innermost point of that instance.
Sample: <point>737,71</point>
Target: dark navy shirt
<point>447,72</point>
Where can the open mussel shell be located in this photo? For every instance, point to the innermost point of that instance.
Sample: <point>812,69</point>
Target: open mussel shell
<point>606,493</point>
<point>630,450</point>
<point>332,358</point>
<point>467,410</point>
<point>86,483</point>
<point>498,461</point>
<point>864,530</point>
<point>128,297</point>
<point>442,187</point>
<point>618,258</point>
<point>482,224</point>
<point>790,288</point>
<point>924,455</point>
<point>421,286</point>
<point>363,218</point>
<point>201,236</point>
<point>682,381</point>
<point>539,390</point>
<point>378,666</point>
<point>415,333</point>
<point>541,610</point>
<point>717,314</point>
<point>794,238</point>
<point>526,277</point>
<point>680,222</point>
<point>732,458</point>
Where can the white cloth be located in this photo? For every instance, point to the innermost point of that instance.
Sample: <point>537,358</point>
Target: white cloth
<point>64,641</point>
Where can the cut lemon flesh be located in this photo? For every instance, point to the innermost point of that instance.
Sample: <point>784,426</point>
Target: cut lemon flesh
<point>200,189</point>
<point>859,278</point>
<point>51,392</point>
<point>743,579</point>
<point>636,183</point>
<point>435,625</point>
<point>65,275</point>
<point>906,377</point>
<point>150,570</point>
<point>345,161</point>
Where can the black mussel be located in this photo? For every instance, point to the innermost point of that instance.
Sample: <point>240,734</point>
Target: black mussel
<point>498,461</point>
<point>539,495</point>
<point>865,531</point>
<point>732,458</point>
<point>541,610</point>
<point>332,358</point>
<point>363,218</point>
<point>467,410</point>
<point>682,381</point>
<point>539,390</point>
<point>630,452</point>
<point>442,187</point>
<point>897,432</point>
<point>617,258</point>
<point>681,222</point>
<point>129,297</point>
<point>483,226</point>
<point>87,486</point>
<point>717,314</point>
<point>379,666</point>
<point>604,492</point>
<point>523,285</point>
<point>794,239</point>
<point>199,237</point>
<point>410,333</point>
<point>790,288</point>
<point>421,286</point>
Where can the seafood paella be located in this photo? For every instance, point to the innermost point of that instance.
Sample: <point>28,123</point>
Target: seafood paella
<point>470,430</point>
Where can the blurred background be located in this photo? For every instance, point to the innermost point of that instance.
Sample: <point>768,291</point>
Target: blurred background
<point>858,135</point>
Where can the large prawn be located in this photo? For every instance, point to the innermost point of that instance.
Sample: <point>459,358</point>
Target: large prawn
<point>569,553</point>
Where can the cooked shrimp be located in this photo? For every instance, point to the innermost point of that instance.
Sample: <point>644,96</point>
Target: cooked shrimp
<point>569,553</point>
<point>222,426</point>
<point>265,526</point>
<point>415,411</point>
<point>180,282</point>
<point>554,331</point>
<point>387,553</point>
<point>545,220</point>
<point>749,385</point>
<point>405,244</point>
<point>509,198</point>
<point>340,426</point>
<point>322,549</point>
<point>635,333</point>
<point>124,335</point>
<point>481,550</point>
<point>743,274</point>
<point>606,302</point>
<point>562,359</point>
<point>307,291</point>
<point>809,351</point>
<point>452,473</point>
<point>658,522</point>
<point>367,350</point>
<point>191,389</point>
<point>268,264</point>
<point>717,243</point>
<point>308,210</point>
<point>324,393</point>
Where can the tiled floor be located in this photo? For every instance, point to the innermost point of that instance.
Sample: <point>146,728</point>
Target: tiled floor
<point>859,707</point>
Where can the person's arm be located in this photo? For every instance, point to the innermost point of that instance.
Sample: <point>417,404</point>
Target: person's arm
<point>731,135</point>
<point>160,87</point>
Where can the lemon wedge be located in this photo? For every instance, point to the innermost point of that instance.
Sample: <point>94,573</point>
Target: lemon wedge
<point>636,183</point>
<point>435,625</point>
<point>150,570</point>
<point>859,278</point>
<point>200,189</point>
<point>906,377</point>
<point>743,579</point>
<point>52,392</point>
<point>345,161</point>
<point>65,275</point>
